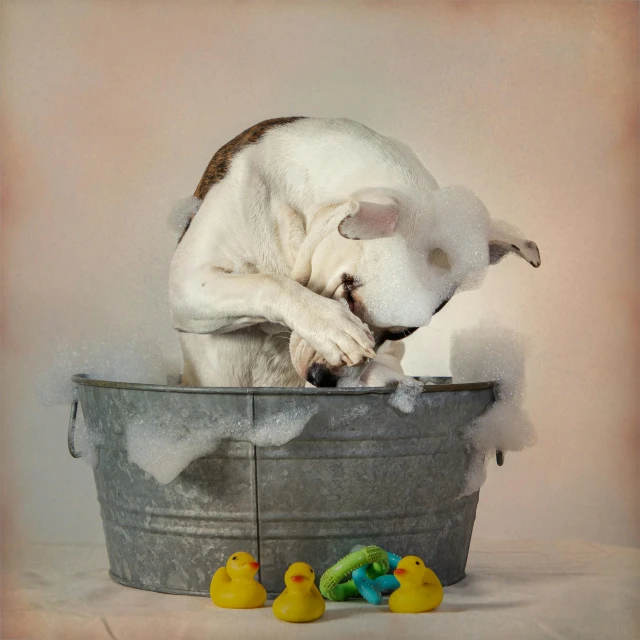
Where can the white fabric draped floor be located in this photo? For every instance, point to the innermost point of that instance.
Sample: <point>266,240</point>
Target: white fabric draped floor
<point>513,590</point>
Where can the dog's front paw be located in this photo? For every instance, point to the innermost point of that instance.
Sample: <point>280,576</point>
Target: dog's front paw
<point>310,365</point>
<point>338,335</point>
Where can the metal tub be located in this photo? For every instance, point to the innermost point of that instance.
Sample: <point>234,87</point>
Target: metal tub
<point>384,478</point>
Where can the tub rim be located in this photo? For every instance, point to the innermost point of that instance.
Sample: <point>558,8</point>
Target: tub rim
<point>84,380</point>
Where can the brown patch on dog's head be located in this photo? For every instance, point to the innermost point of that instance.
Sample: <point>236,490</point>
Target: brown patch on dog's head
<point>219,165</point>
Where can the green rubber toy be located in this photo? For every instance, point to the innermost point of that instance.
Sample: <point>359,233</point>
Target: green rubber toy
<point>332,586</point>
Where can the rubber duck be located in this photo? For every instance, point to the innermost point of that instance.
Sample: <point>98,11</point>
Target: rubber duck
<point>234,587</point>
<point>301,600</point>
<point>419,590</point>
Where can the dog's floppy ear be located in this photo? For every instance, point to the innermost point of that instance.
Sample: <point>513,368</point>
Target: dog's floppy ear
<point>372,214</point>
<point>505,239</point>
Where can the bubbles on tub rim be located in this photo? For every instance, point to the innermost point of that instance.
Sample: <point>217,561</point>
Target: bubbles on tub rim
<point>406,395</point>
<point>113,357</point>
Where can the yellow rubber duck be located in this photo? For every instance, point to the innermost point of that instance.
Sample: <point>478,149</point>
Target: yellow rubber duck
<point>419,590</point>
<point>300,601</point>
<point>234,587</point>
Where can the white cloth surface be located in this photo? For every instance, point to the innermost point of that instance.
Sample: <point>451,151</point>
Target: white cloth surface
<point>513,590</point>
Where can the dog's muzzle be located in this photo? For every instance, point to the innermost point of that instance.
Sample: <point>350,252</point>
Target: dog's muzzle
<point>319,375</point>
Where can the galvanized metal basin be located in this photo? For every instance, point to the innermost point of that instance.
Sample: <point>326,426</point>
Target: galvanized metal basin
<point>384,478</point>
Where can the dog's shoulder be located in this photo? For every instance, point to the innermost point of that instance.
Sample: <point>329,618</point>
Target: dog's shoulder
<point>219,165</point>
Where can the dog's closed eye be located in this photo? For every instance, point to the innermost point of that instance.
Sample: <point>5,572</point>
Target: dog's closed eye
<point>349,284</point>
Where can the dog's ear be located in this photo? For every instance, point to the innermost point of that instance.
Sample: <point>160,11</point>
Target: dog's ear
<point>372,214</point>
<point>505,239</point>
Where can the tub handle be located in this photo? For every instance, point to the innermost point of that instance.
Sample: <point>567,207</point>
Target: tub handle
<point>72,426</point>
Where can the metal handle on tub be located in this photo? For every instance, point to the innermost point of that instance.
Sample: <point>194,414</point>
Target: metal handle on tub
<point>72,426</point>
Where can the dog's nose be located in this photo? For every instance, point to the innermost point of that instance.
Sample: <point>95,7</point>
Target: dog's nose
<point>319,375</point>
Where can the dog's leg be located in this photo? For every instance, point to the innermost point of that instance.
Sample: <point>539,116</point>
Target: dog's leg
<point>209,300</point>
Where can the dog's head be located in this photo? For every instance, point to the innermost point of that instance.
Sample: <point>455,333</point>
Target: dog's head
<point>397,258</point>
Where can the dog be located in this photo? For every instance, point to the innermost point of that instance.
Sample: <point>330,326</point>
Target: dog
<point>313,248</point>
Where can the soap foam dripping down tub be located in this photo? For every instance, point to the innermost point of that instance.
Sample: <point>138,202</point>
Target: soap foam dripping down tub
<point>491,352</point>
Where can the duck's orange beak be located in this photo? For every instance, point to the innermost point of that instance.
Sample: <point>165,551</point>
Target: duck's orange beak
<point>399,572</point>
<point>254,565</point>
<point>297,578</point>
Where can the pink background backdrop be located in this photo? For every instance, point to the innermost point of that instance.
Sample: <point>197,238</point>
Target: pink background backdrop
<point>111,111</point>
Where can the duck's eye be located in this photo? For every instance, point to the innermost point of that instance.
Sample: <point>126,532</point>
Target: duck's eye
<point>417,562</point>
<point>311,570</point>
<point>234,558</point>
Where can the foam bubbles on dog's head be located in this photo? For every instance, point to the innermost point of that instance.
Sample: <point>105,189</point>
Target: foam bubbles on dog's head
<point>459,238</point>
<point>441,245</point>
<point>395,289</point>
<point>460,231</point>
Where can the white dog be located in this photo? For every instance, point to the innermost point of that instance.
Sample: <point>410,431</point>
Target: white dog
<point>317,244</point>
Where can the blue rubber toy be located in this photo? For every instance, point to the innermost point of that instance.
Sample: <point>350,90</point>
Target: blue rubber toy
<point>370,582</point>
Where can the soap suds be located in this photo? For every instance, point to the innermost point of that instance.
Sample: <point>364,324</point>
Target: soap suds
<point>182,212</point>
<point>112,357</point>
<point>407,391</point>
<point>441,249</point>
<point>488,352</point>
<point>406,395</point>
<point>164,448</point>
<point>345,417</point>
<point>164,445</point>
<point>280,427</point>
